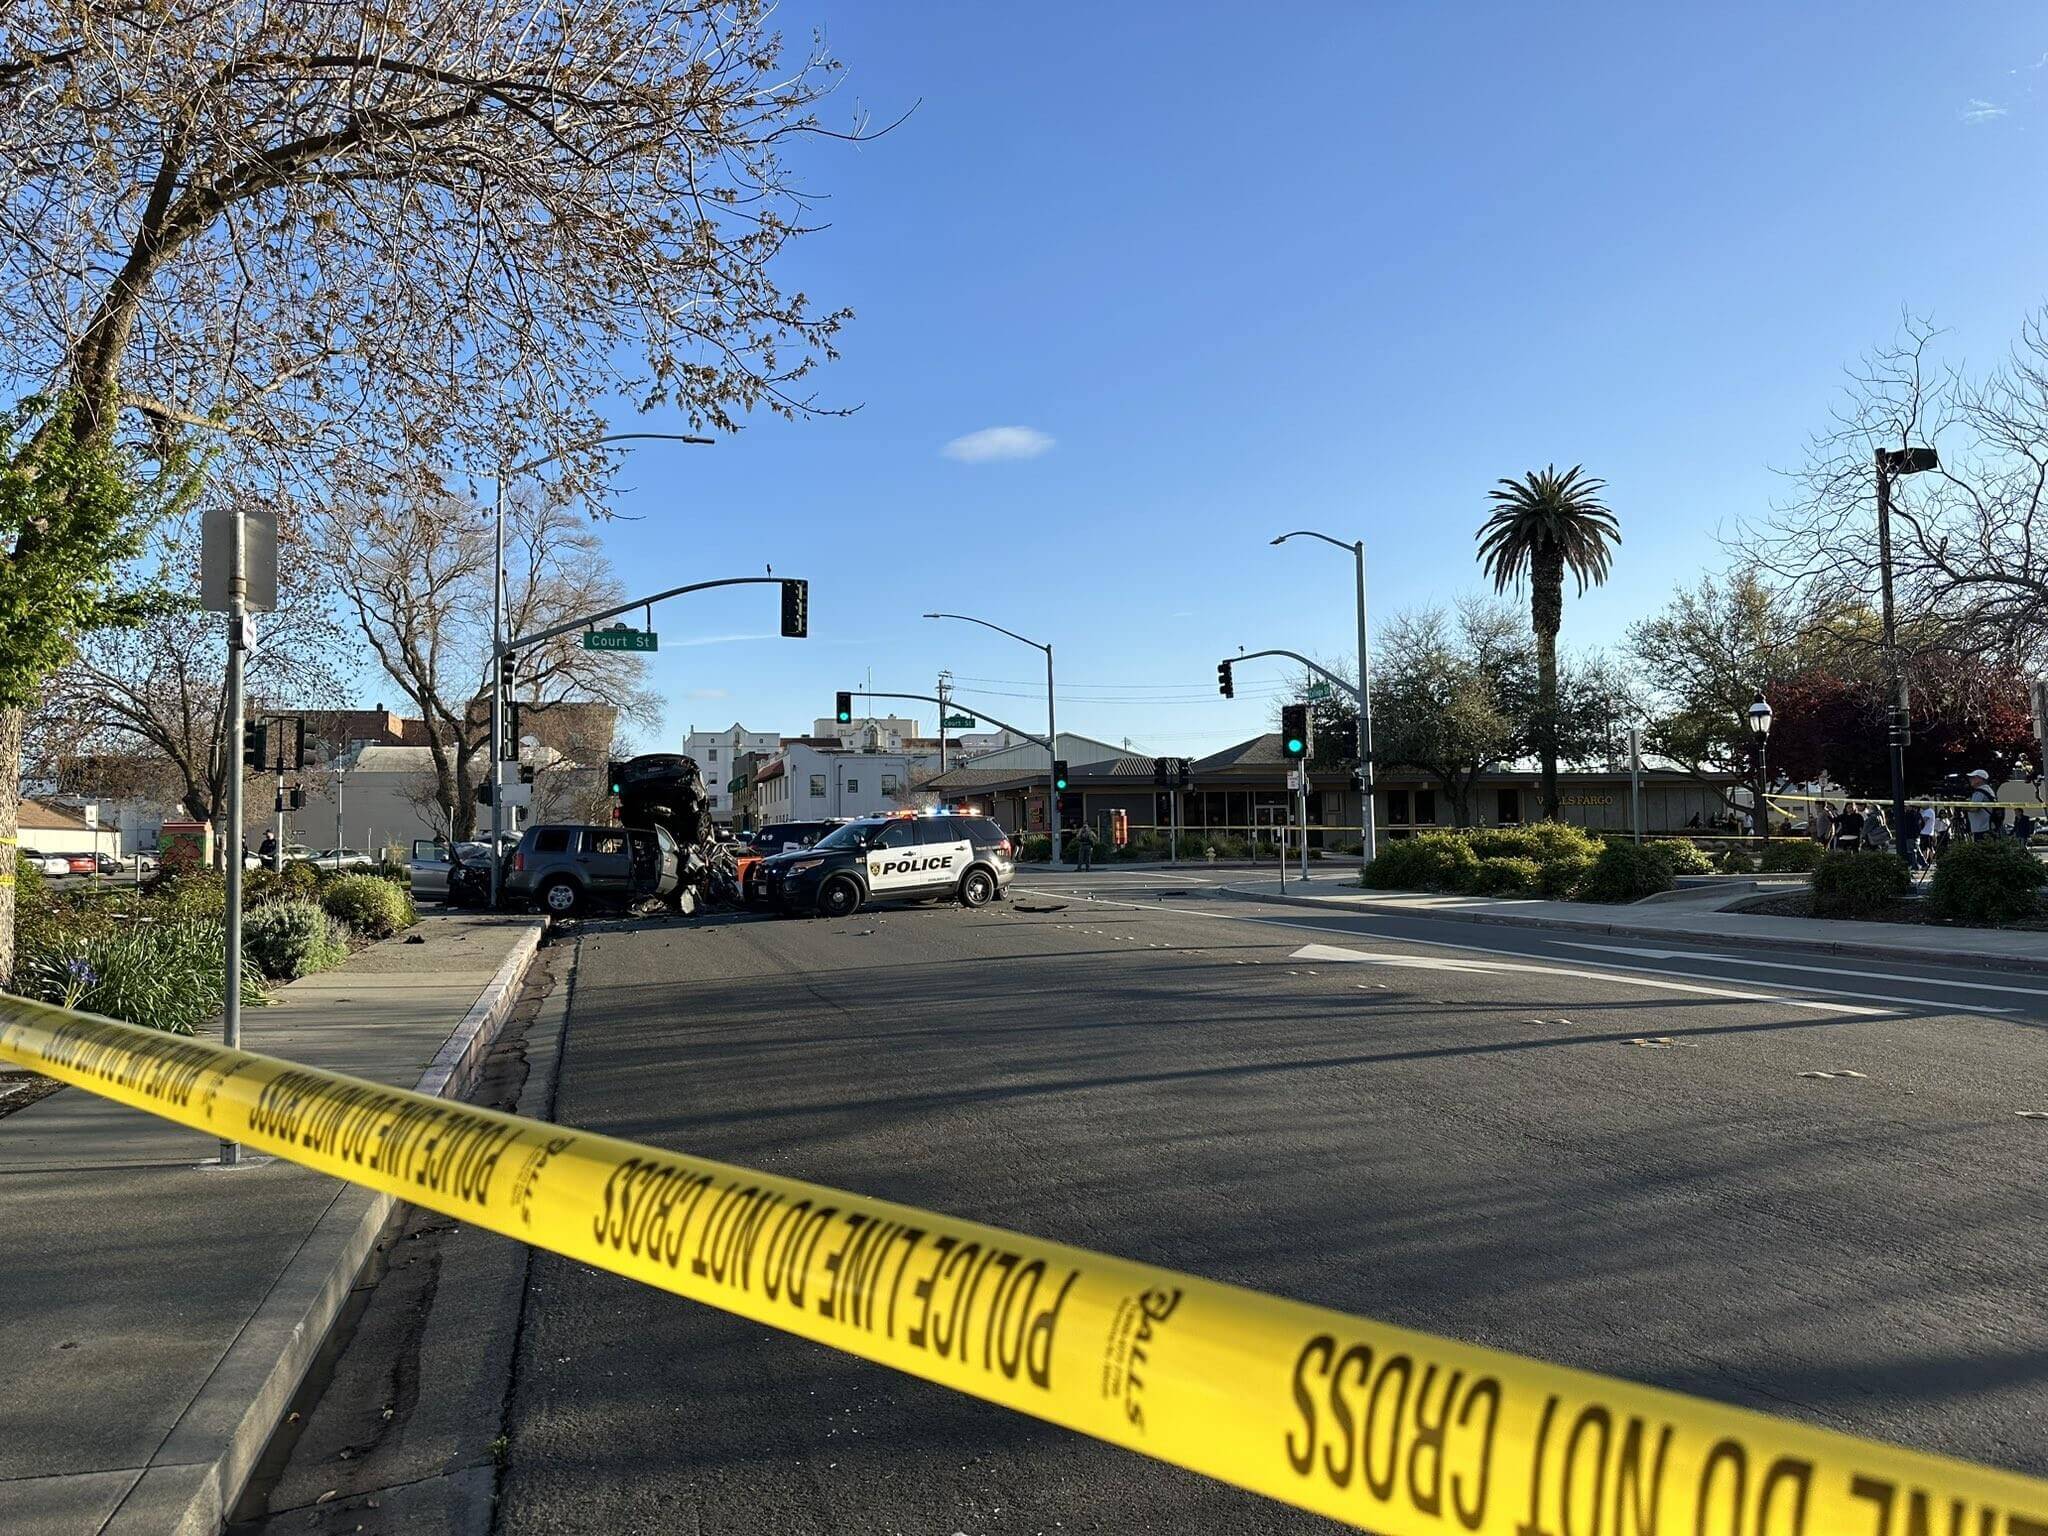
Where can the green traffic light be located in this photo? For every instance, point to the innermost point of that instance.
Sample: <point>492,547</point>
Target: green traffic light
<point>1294,745</point>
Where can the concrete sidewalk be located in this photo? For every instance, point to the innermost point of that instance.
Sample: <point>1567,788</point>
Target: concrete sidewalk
<point>157,1313</point>
<point>1689,916</point>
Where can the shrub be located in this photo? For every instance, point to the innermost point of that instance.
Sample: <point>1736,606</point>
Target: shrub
<point>1430,861</point>
<point>1859,884</point>
<point>1543,841</point>
<point>1625,872</point>
<point>1193,847</point>
<point>1791,856</point>
<point>1683,855</point>
<point>194,893</point>
<point>290,939</point>
<point>166,975</point>
<point>1996,881</point>
<point>1562,876</point>
<point>1227,847</point>
<point>1036,846</point>
<point>373,906</point>
<point>1736,861</point>
<point>1504,877</point>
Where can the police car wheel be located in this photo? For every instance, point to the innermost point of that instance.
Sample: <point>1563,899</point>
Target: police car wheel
<point>560,898</point>
<point>977,888</point>
<point>839,898</point>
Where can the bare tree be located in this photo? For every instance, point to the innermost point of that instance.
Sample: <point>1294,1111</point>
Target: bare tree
<point>339,242</point>
<point>1969,540</point>
<point>415,577</point>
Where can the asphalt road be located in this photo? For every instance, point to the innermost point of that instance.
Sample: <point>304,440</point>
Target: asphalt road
<point>1515,1142</point>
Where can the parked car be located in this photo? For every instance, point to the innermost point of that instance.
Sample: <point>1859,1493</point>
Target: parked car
<point>562,869</point>
<point>343,858</point>
<point>44,863</point>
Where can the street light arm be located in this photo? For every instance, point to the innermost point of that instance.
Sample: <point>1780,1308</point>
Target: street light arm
<point>599,442</point>
<point>1316,667</point>
<point>1310,533</point>
<point>524,642</point>
<point>967,618</point>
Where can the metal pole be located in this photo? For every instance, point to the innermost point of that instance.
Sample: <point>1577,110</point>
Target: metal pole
<point>1635,780</point>
<point>1304,818</point>
<point>238,625</point>
<point>497,686</point>
<point>1052,735</point>
<point>277,808</point>
<point>942,722</point>
<point>1173,817</point>
<point>1368,822</point>
<point>1902,714</point>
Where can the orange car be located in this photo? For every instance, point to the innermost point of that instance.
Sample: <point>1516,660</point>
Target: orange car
<point>776,837</point>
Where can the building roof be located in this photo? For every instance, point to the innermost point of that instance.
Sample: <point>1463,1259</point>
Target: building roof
<point>38,817</point>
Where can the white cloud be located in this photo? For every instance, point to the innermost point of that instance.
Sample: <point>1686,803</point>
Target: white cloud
<point>707,694</point>
<point>1981,111</point>
<point>992,443</point>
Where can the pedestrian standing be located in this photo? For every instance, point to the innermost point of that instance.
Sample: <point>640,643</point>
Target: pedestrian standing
<point>1981,799</point>
<point>1084,847</point>
<point>1848,827</point>
<point>1823,828</point>
<point>1930,829</point>
<point>1877,832</point>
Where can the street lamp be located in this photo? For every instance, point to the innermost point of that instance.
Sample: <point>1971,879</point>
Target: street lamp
<point>1052,732</point>
<point>1367,821</point>
<point>1760,733</point>
<point>1892,462</point>
<point>498,604</point>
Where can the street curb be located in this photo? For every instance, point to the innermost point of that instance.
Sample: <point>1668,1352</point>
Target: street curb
<point>194,1478</point>
<point>1851,950</point>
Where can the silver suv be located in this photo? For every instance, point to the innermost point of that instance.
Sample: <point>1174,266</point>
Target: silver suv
<point>563,869</point>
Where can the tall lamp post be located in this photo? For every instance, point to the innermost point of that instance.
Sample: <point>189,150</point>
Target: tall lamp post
<point>1892,462</point>
<point>1052,730</point>
<point>1367,820</point>
<point>498,607</point>
<point>1760,734</point>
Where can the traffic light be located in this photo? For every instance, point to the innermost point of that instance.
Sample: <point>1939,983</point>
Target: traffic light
<point>1223,684</point>
<point>1183,773</point>
<point>1059,773</point>
<point>255,743</point>
<point>1295,740</point>
<point>796,609</point>
<point>845,708</point>
<point>1162,770</point>
<point>615,777</point>
<point>483,793</point>
<point>298,799</point>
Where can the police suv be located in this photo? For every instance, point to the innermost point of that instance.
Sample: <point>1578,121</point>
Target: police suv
<point>888,858</point>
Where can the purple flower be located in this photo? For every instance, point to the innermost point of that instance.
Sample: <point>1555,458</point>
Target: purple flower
<point>81,974</point>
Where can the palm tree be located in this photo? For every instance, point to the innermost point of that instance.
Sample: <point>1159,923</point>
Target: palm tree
<point>1541,525</point>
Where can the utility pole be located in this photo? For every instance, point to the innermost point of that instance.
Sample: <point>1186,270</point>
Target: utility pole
<point>945,696</point>
<point>1901,717</point>
<point>1635,781</point>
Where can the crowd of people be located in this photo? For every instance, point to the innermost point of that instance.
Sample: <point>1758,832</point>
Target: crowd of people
<point>1866,825</point>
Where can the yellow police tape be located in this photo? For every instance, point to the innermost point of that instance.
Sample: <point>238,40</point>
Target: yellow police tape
<point>1376,1426</point>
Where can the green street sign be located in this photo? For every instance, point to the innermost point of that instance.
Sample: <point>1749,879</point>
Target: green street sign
<point>959,722</point>
<point>1317,691</point>
<point>621,640</point>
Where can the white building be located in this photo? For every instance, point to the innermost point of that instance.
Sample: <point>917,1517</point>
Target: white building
<point>808,782</point>
<point>715,753</point>
<point>871,733</point>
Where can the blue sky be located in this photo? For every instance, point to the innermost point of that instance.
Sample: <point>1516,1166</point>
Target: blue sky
<point>1335,266</point>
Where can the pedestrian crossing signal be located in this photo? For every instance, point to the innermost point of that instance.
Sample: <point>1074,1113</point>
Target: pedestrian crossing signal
<point>1224,685</point>
<point>845,708</point>
<point>1294,731</point>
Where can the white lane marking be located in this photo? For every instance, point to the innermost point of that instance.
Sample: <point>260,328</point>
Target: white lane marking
<point>1826,970</point>
<point>1353,933</point>
<point>1484,967</point>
